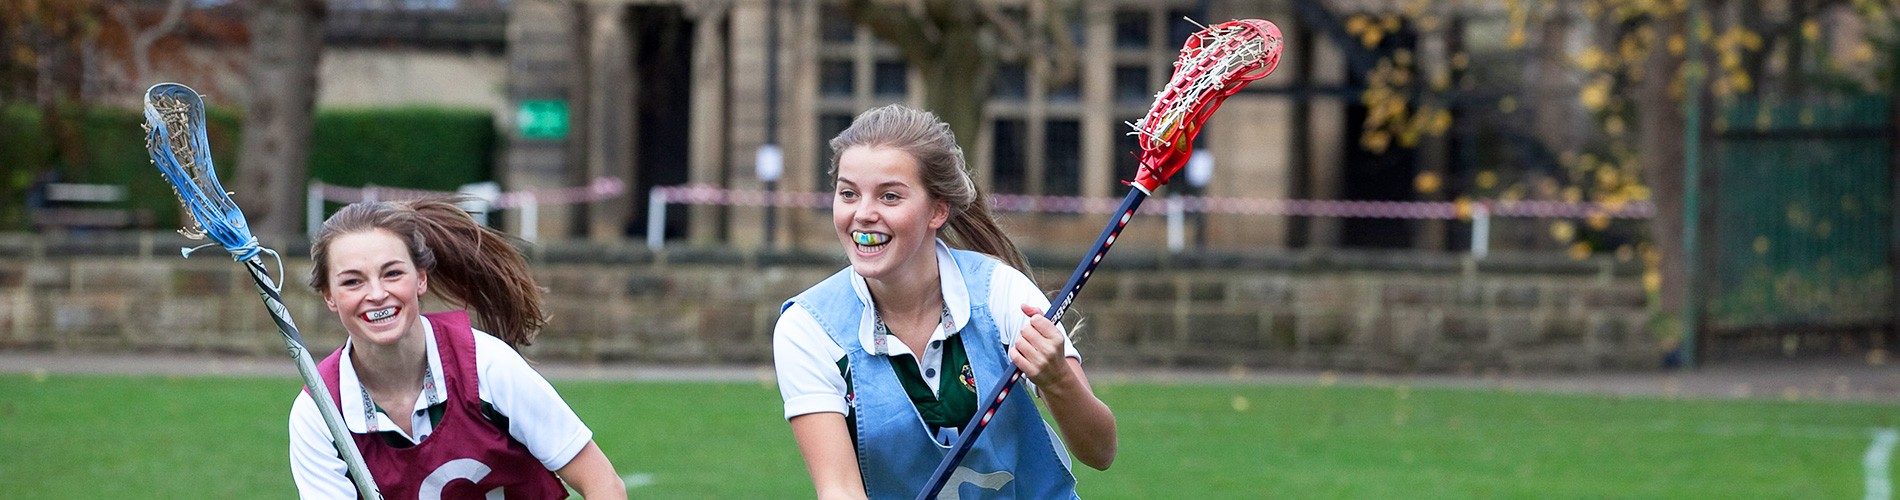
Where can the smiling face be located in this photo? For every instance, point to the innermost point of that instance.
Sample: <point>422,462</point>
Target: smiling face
<point>374,287</point>
<point>884,216</point>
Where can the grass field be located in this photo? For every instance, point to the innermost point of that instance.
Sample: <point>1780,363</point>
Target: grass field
<point>129,437</point>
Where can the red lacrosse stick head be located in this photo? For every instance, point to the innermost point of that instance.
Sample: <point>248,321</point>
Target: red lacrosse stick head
<point>1214,63</point>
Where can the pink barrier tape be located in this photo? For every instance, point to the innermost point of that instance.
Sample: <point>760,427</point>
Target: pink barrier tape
<point>708,195</point>
<point>1564,209</point>
<point>1443,210</point>
<point>601,188</point>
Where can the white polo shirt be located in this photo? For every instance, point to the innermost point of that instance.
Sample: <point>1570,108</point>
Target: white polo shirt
<point>806,358</point>
<point>537,416</point>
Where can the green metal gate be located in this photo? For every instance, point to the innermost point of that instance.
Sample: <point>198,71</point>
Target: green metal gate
<point>1802,226</point>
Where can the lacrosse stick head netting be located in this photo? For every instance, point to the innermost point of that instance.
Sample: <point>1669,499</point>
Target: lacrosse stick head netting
<point>175,137</point>
<point>1214,63</point>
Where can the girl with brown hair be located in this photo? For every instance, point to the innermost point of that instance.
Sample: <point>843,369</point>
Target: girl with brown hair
<point>879,365</point>
<point>438,408</point>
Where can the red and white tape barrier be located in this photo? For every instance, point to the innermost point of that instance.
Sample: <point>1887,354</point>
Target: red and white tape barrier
<point>1479,212</point>
<point>1445,210</point>
<point>527,201</point>
<point>601,188</point>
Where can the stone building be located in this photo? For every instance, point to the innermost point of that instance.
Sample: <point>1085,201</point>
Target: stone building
<point>671,92</point>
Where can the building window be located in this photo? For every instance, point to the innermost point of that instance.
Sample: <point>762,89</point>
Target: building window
<point>1127,155</point>
<point>1078,31</point>
<point>1062,161</point>
<point>1012,82</point>
<point>1179,28</point>
<point>834,26</point>
<point>1131,85</point>
<point>1067,92</point>
<point>890,79</point>
<point>1131,29</point>
<point>429,4</point>
<point>829,125</point>
<point>834,78</point>
<point>1008,166</point>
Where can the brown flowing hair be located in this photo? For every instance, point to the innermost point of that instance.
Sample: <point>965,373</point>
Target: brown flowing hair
<point>468,264</point>
<point>928,139</point>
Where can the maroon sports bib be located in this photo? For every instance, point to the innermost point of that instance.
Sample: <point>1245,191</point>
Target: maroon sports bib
<point>467,456</point>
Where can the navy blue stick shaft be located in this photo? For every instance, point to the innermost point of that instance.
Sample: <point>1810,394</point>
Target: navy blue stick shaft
<point>1061,303</point>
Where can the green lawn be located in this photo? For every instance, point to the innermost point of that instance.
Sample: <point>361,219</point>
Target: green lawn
<point>124,437</point>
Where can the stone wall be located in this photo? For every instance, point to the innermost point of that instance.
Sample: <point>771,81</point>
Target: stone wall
<point>1398,312</point>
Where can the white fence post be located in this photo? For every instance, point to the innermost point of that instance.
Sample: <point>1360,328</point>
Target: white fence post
<point>482,197</point>
<point>656,219</point>
<point>1480,230</point>
<point>313,208</point>
<point>530,217</point>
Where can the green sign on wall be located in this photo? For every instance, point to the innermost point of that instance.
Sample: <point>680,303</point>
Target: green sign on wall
<point>545,119</point>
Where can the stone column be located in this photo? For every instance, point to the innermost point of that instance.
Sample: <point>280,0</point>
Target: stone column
<point>611,127</point>
<point>806,156</point>
<point>541,47</point>
<point>1327,120</point>
<point>1098,99</point>
<point>1250,142</point>
<point>1036,120</point>
<point>746,129</point>
<point>708,157</point>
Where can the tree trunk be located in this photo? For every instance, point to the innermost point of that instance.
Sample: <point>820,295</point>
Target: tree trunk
<point>1662,123</point>
<point>286,39</point>
<point>958,83</point>
<point>954,45</point>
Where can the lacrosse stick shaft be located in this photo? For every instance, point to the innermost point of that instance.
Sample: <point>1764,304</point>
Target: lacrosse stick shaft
<point>175,139</point>
<point>313,381</point>
<point>994,399</point>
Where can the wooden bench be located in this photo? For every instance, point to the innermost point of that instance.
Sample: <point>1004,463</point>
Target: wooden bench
<point>65,205</point>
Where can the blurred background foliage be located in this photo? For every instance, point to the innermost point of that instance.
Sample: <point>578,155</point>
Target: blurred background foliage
<point>412,147</point>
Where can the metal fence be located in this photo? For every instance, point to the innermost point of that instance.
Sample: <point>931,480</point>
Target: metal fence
<point>1803,224</point>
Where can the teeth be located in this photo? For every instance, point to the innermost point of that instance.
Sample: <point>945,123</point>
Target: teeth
<point>379,314</point>
<point>870,239</point>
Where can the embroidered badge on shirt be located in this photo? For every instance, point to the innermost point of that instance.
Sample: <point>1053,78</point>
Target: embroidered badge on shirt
<point>878,346</point>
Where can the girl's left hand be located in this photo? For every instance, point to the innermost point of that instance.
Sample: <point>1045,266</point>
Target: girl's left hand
<point>1038,350</point>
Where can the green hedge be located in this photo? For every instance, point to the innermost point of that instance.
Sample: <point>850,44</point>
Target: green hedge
<point>418,148</point>
<point>112,151</point>
<point>412,147</point>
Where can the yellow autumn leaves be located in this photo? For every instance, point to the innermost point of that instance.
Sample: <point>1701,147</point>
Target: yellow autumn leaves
<point>1405,93</point>
<point>1392,116</point>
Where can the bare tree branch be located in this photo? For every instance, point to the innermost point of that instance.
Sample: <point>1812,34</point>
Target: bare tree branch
<point>1055,51</point>
<point>1013,44</point>
<point>1006,28</point>
<point>142,40</point>
<point>1062,61</point>
<point>890,23</point>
